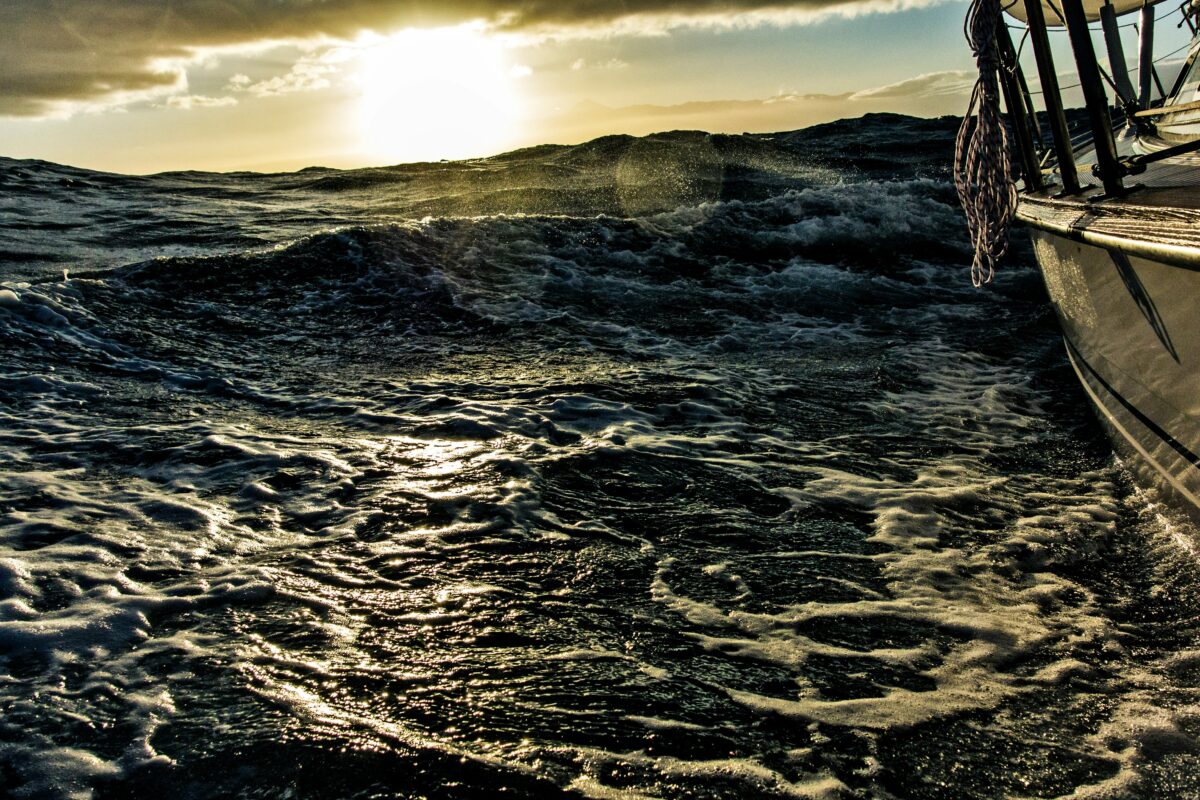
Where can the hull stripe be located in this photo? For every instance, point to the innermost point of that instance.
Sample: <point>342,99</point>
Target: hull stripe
<point>1176,445</point>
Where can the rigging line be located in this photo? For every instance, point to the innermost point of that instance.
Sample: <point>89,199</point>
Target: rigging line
<point>1134,25</point>
<point>1021,47</point>
<point>1173,52</point>
<point>1158,60</point>
<point>1057,12</point>
<point>1112,84</point>
<point>1064,86</point>
<point>1160,18</point>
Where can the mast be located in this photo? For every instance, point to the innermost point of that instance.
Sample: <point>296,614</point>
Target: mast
<point>1116,54</point>
<point>1145,55</point>
<point>1019,114</point>
<point>1108,168</point>
<point>1052,97</point>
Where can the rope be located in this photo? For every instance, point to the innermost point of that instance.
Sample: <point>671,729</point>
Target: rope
<point>982,173</point>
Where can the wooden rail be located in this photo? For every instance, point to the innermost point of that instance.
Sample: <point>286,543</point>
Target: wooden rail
<point>1170,235</point>
<point>1158,112</point>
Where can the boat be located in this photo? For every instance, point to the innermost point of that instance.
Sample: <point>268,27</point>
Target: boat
<point>1113,211</point>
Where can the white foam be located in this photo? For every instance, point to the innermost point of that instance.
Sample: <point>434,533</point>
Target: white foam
<point>64,772</point>
<point>677,773</point>
<point>994,619</point>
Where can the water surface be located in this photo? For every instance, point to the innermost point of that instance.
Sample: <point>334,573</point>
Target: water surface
<point>687,466</point>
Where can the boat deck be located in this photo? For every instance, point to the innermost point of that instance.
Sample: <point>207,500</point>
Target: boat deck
<point>1158,217</point>
<point>1174,183</point>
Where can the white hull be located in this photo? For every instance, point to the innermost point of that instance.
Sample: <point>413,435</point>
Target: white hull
<point>1130,324</point>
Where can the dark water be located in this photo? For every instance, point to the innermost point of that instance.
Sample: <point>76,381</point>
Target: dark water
<point>681,467</point>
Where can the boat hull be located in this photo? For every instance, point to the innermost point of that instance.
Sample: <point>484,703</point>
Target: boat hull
<point>1130,325</point>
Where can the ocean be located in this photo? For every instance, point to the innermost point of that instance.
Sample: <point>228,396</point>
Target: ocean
<point>683,466</point>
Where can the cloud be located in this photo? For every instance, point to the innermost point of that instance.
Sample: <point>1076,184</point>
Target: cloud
<point>929,84</point>
<point>612,63</point>
<point>306,75</point>
<point>189,101</point>
<point>62,52</point>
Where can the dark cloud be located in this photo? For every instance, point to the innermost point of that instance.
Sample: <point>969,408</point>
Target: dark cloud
<point>97,50</point>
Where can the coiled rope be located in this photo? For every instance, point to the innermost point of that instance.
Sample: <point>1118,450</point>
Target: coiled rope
<point>982,173</point>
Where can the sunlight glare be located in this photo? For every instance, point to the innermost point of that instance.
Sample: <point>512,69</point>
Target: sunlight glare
<point>432,94</point>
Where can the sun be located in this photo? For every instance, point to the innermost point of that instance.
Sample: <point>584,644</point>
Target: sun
<point>434,94</point>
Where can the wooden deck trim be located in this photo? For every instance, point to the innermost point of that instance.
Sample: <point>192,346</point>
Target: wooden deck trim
<point>1164,110</point>
<point>1168,235</point>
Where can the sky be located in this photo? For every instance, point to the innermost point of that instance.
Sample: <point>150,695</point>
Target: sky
<point>143,86</point>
